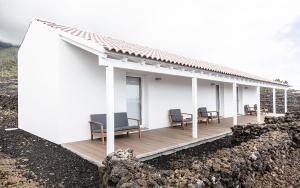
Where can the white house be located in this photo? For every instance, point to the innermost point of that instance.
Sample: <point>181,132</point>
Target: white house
<point>66,74</point>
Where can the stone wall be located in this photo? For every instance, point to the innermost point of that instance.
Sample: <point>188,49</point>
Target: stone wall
<point>266,100</point>
<point>265,155</point>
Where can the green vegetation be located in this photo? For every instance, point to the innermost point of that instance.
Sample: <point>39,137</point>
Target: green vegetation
<point>8,62</point>
<point>281,81</point>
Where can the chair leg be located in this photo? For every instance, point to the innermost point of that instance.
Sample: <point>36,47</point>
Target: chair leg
<point>127,133</point>
<point>92,137</point>
<point>102,136</point>
<point>140,134</point>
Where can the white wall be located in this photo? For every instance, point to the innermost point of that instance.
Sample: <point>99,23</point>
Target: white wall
<point>60,85</point>
<point>38,82</point>
<point>249,96</point>
<point>168,93</point>
<point>228,103</point>
<point>82,92</point>
<point>173,92</point>
<point>246,96</point>
<point>221,99</point>
<point>240,99</point>
<point>207,95</point>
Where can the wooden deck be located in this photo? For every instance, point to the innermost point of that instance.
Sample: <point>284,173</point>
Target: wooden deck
<point>156,141</point>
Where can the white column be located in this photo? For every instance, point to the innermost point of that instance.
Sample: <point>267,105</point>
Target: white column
<point>110,143</point>
<point>234,101</point>
<point>274,101</point>
<point>285,101</point>
<point>195,106</point>
<point>258,103</point>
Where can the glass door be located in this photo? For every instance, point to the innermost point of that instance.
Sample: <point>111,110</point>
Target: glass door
<point>133,89</point>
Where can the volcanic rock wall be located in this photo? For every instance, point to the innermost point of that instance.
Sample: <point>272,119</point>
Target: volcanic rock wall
<point>265,155</point>
<point>266,100</point>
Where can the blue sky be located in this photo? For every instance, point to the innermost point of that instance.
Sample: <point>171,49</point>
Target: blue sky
<point>260,37</point>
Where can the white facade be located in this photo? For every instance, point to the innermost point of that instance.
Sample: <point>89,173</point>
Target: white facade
<point>61,84</point>
<point>38,83</point>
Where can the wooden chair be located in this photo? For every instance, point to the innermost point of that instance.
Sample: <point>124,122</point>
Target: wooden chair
<point>98,124</point>
<point>177,118</point>
<point>203,119</point>
<point>255,108</point>
<point>265,111</point>
<point>203,114</point>
<point>250,110</point>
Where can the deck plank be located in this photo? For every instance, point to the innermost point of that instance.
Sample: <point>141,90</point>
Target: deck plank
<point>154,139</point>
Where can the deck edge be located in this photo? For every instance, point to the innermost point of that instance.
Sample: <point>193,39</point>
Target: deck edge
<point>182,146</point>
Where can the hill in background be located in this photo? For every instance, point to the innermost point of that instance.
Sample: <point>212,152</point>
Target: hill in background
<point>5,45</point>
<point>8,60</point>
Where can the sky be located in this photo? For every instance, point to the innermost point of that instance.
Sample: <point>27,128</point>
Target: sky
<point>259,37</point>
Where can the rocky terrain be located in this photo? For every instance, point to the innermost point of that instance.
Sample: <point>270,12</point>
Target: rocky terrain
<point>12,176</point>
<point>259,156</point>
<point>8,103</point>
<point>266,98</point>
<point>8,86</point>
<point>29,161</point>
<point>47,163</point>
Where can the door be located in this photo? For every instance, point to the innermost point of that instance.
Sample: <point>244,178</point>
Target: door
<point>218,98</point>
<point>133,95</point>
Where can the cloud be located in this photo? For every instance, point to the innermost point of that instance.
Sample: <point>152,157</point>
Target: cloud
<point>259,37</point>
<point>290,34</point>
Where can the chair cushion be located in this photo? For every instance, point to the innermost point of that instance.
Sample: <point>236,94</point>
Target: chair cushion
<point>121,122</point>
<point>175,115</point>
<point>99,118</point>
<point>203,112</point>
<point>124,128</point>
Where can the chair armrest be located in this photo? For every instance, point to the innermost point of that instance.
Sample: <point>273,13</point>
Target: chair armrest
<point>138,121</point>
<point>188,114</point>
<point>94,125</point>
<point>211,112</point>
<point>97,123</point>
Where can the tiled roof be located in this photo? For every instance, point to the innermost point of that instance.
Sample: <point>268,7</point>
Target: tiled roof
<point>123,47</point>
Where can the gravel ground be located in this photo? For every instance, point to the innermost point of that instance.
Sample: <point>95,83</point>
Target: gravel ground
<point>11,175</point>
<point>8,103</point>
<point>48,163</point>
<point>33,159</point>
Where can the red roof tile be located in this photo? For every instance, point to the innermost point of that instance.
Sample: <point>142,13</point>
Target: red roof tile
<point>120,46</point>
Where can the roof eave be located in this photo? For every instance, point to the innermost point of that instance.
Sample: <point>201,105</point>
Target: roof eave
<point>82,43</point>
